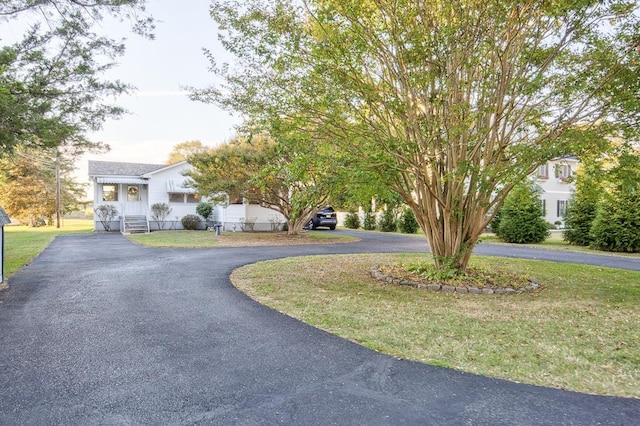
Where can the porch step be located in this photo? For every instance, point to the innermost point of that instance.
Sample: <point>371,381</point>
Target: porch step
<point>136,225</point>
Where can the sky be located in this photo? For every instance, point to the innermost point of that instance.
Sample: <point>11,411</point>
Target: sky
<point>161,115</point>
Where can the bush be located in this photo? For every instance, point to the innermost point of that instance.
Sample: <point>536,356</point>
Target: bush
<point>407,223</point>
<point>617,223</point>
<point>205,210</point>
<point>521,217</point>
<point>160,212</point>
<point>388,221</point>
<point>352,221</point>
<point>106,213</point>
<point>369,222</point>
<point>191,222</point>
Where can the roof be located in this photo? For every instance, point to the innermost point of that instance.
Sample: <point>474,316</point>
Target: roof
<point>165,167</point>
<point>112,168</point>
<point>4,217</point>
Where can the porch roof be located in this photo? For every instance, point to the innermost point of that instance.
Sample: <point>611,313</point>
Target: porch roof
<point>125,180</point>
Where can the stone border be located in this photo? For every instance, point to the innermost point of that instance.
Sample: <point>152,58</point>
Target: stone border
<point>535,285</point>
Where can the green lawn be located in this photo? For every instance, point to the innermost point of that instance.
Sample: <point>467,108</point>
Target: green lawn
<point>202,239</point>
<point>23,243</point>
<point>580,332</point>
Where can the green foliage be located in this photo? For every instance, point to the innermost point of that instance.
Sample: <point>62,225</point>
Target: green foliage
<point>191,222</point>
<point>407,223</point>
<point>185,150</point>
<point>419,95</point>
<point>616,226</point>
<point>579,217</point>
<point>521,217</point>
<point>205,210</point>
<point>387,221</point>
<point>369,221</point>
<point>28,185</point>
<point>286,172</point>
<point>352,220</point>
<point>52,86</point>
<point>160,212</point>
<point>106,213</point>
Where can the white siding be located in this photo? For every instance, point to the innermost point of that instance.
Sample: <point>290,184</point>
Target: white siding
<point>265,219</point>
<point>556,188</point>
<point>158,194</point>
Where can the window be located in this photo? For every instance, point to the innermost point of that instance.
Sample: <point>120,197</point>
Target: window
<point>133,193</point>
<point>563,172</point>
<point>562,208</point>
<point>543,171</point>
<point>176,198</point>
<point>544,207</point>
<point>193,198</point>
<point>109,192</point>
<point>184,198</point>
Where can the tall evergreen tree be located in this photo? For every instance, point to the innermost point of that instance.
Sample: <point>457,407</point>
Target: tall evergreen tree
<point>521,217</point>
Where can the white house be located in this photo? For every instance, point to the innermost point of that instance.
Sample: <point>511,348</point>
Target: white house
<point>132,188</point>
<point>553,178</point>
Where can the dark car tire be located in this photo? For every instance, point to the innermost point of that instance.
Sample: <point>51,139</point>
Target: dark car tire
<point>332,227</point>
<point>311,225</point>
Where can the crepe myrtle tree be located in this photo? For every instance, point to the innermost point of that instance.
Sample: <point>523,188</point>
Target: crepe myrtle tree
<point>261,170</point>
<point>450,102</point>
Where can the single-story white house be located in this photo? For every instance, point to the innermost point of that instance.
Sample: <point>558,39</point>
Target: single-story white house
<point>132,188</point>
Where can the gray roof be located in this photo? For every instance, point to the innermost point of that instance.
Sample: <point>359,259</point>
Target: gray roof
<point>111,168</point>
<point>4,217</point>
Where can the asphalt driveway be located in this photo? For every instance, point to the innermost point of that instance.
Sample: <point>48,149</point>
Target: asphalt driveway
<point>100,331</point>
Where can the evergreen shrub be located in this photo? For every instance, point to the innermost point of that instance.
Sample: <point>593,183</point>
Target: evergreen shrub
<point>352,221</point>
<point>191,222</point>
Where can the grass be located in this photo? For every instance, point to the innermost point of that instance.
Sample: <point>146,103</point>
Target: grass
<point>555,242</point>
<point>581,332</point>
<point>201,239</point>
<point>23,243</point>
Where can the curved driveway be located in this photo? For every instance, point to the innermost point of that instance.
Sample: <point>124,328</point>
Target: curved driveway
<point>100,331</point>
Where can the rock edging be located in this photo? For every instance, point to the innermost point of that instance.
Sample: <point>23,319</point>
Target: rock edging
<point>535,285</point>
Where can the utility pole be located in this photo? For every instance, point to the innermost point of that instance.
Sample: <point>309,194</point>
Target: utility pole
<point>57,162</point>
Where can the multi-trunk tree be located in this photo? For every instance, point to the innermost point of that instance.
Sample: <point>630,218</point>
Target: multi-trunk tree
<point>263,171</point>
<point>450,102</point>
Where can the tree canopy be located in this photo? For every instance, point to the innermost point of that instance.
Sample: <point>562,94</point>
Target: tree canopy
<point>52,86</point>
<point>451,103</point>
<point>184,150</point>
<point>29,187</point>
<point>295,183</point>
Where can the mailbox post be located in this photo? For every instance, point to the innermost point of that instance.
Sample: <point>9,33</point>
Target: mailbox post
<point>4,220</point>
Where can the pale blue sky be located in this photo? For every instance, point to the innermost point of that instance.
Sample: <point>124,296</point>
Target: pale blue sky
<point>161,114</point>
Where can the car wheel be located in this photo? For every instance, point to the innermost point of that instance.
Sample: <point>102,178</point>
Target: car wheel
<point>332,227</point>
<point>310,225</point>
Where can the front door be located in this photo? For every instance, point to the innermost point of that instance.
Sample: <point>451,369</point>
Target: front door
<point>133,204</point>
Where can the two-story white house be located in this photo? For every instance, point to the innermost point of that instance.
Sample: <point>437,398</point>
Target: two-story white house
<point>132,188</point>
<point>554,179</point>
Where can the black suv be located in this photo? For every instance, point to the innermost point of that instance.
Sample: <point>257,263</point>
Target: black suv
<point>325,218</point>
